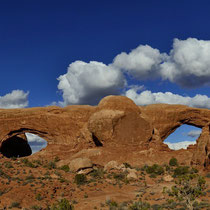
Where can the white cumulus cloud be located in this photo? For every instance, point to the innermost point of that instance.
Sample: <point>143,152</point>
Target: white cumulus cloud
<point>87,83</point>
<point>180,145</point>
<point>142,62</point>
<point>188,63</point>
<point>36,143</point>
<point>147,97</point>
<point>194,133</point>
<point>15,99</point>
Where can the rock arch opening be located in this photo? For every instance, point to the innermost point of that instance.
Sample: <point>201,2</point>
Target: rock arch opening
<point>36,142</point>
<point>22,145</point>
<point>16,146</point>
<point>182,137</point>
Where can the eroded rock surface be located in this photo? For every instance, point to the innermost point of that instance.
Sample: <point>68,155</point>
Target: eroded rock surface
<point>123,130</point>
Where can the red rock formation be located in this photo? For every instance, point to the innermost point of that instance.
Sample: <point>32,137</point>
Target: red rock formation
<point>115,123</point>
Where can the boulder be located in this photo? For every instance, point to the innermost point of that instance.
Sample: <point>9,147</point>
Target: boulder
<point>168,178</point>
<point>80,163</point>
<point>85,171</point>
<point>119,121</point>
<point>111,165</point>
<point>132,175</point>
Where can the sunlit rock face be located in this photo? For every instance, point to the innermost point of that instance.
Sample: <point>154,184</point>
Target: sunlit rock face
<point>117,122</point>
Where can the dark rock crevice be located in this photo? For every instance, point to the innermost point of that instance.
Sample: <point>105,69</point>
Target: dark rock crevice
<point>15,147</point>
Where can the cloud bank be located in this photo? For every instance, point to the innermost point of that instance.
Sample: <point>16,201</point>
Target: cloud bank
<point>87,83</point>
<point>15,99</point>
<point>142,62</point>
<point>194,133</point>
<point>187,65</point>
<point>36,143</point>
<point>147,97</point>
<point>180,145</point>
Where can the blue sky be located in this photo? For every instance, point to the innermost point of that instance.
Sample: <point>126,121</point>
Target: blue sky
<point>40,39</point>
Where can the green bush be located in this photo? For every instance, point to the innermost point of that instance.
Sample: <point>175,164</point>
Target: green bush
<point>62,205</point>
<point>153,176</point>
<point>127,165</point>
<point>27,163</point>
<point>8,164</point>
<point>208,175</point>
<point>51,165</point>
<point>155,169</point>
<point>38,197</point>
<point>65,168</point>
<point>187,189</point>
<point>80,179</point>
<point>194,171</point>
<point>14,205</point>
<point>97,173</point>
<point>119,176</point>
<point>181,170</point>
<point>140,205</point>
<point>111,204</point>
<point>56,159</point>
<point>173,162</point>
<point>35,207</point>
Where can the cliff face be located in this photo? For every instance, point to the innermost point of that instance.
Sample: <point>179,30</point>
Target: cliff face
<point>116,122</point>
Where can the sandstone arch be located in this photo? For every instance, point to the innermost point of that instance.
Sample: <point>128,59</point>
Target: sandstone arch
<point>116,121</point>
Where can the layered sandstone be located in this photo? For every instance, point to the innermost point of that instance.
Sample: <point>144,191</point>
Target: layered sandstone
<point>117,122</point>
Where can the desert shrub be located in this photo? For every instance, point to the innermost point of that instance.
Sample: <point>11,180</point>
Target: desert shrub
<point>2,192</point>
<point>140,205</point>
<point>127,165</point>
<point>37,162</point>
<point>8,164</point>
<point>27,163</point>
<point>14,205</point>
<point>63,204</point>
<point>208,175</point>
<point>155,169</point>
<point>38,197</point>
<point>173,162</point>
<point>13,158</point>
<point>51,165</point>
<point>97,173</point>
<point>156,207</point>
<point>80,179</point>
<point>167,167</point>
<point>56,159</point>
<point>111,204</point>
<point>65,168</point>
<point>30,177</point>
<point>181,170</point>
<point>201,205</point>
<point>121,177</point>
<point>153,176</point>
<point>194,171</point>
<point>1,172</point>
<point>62,180</point>
<point>35,207</point>
<point>187,189</point>
<point>201,182</point>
